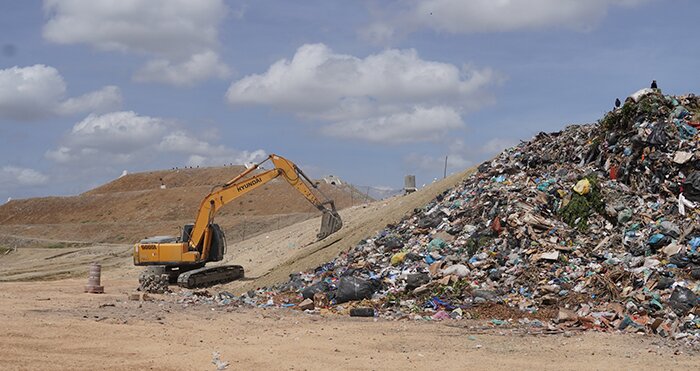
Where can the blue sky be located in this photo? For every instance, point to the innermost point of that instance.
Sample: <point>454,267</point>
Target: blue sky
<point>367,90</point>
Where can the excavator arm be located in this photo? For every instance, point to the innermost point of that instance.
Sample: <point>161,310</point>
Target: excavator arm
<point>221,195</point>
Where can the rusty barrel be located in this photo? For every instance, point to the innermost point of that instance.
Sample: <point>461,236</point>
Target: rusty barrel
<point>93,285</point>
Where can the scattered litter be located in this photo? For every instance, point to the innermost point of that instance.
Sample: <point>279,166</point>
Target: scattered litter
<point>216,360</point>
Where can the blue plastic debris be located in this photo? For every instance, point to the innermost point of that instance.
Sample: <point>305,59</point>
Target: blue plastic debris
<point>655,238</point>
<point>686,131</point>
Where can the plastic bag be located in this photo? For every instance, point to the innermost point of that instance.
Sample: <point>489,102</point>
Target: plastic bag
<point>353,288</point>
<point>582,187</point>
<point>691,187</point>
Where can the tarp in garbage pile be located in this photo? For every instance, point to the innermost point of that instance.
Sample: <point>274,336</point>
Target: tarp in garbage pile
<point>598,222</point>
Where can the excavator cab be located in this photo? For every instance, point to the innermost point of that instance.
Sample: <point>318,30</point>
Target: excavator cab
<point>186,232</point>
<point>217,247</point>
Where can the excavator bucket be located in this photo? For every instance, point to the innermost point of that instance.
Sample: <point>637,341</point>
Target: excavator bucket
<point>330,223</point>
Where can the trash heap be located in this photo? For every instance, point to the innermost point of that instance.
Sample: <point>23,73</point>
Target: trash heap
<point>596,225</point>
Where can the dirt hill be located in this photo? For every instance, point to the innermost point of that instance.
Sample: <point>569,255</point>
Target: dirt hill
<point>135,206</point>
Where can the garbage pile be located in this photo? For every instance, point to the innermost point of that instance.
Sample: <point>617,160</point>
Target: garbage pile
<point>597,224</point>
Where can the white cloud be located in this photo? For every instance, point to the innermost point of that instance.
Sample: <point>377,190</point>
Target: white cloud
<point>61,154</point>
<point>103,100</point>
<point>180,35</point>
<point>120,138</point>
<point>202,153</point>
<point>12,176</point>
<point>117,134</point>
<point>386,93</point>
<point>316,79</point>
<point>39,91</point>
<point>419,125</point>
<point>30,92</point>
<point>168,27</point>
<point>181,142</point>
<point>199,67</point>
<point>457,16</point>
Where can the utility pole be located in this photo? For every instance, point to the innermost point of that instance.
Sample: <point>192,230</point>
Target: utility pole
<point>444,174</point>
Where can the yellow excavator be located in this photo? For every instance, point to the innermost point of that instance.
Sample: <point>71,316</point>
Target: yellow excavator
<point>184,257</point>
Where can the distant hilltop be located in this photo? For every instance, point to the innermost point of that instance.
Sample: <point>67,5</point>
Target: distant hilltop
<point>146,203</point>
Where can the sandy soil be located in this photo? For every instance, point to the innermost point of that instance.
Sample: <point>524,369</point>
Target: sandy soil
<point>53,325</point>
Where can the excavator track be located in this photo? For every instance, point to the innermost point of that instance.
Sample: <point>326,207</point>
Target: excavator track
<point>208,276</point>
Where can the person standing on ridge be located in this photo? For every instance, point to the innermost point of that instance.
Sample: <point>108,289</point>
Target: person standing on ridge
<point>653,85</point>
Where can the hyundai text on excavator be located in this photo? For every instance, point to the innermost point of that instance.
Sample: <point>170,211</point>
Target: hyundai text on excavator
<point>184,257</point>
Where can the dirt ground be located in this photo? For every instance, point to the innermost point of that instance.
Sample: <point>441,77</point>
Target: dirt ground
<point>49,323</point>
<point>53,325</point>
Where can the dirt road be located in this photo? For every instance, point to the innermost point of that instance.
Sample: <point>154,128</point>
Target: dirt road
<point>53,325</point>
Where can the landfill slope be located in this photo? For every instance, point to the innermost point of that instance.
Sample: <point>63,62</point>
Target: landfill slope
<point>271,257</point>
<point>592,227</point>
<point>134,206</point>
